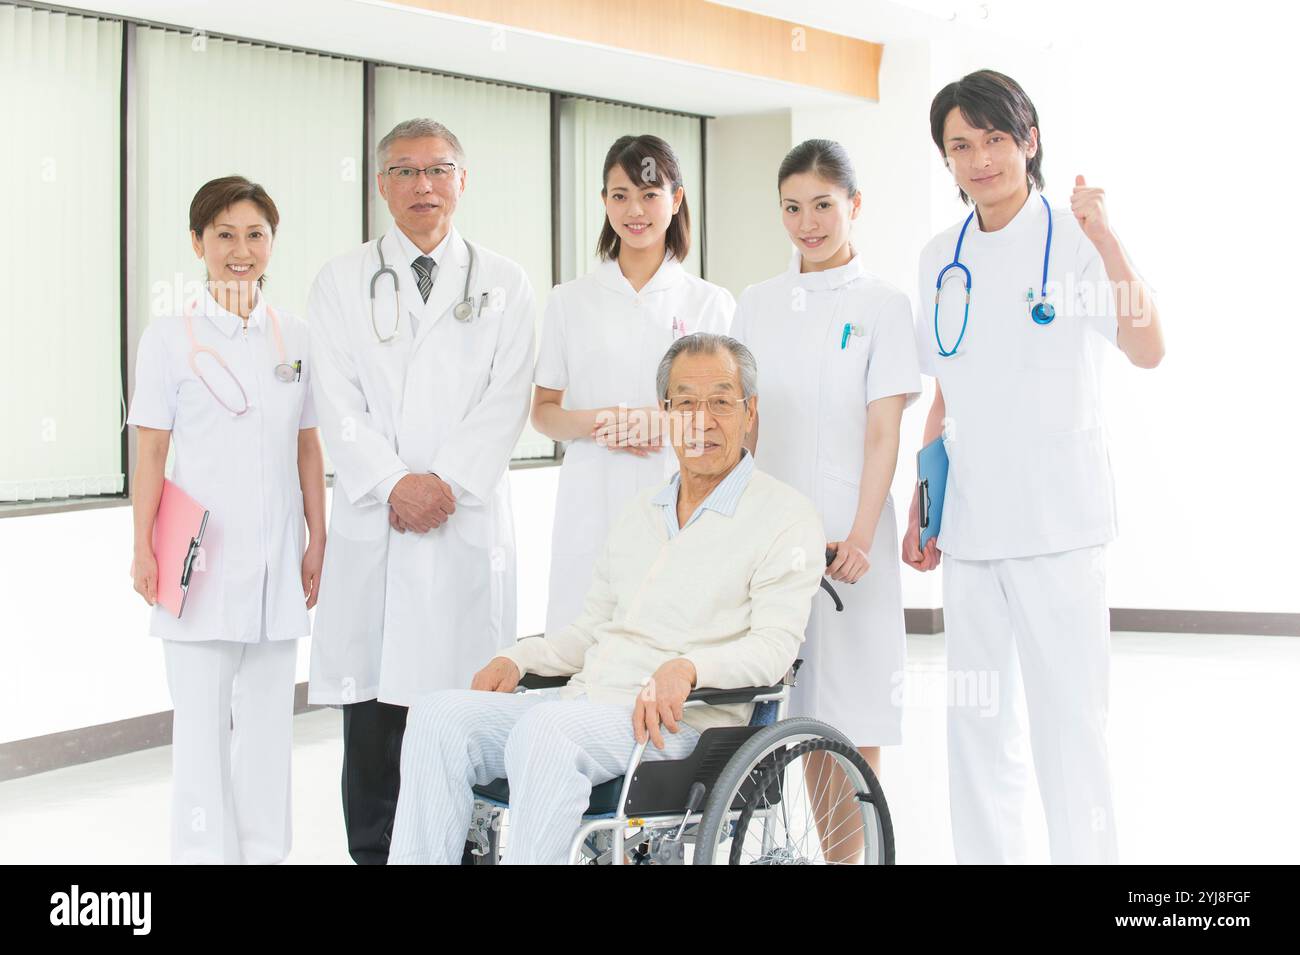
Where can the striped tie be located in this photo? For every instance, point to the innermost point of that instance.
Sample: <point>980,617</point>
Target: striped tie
<point>424,268</point>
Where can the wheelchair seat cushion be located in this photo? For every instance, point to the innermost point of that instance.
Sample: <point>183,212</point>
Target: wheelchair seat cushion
<point>603,802</point>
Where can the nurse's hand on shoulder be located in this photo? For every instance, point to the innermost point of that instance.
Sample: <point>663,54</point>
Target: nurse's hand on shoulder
<point>313,559</point>
<point>420,502</point>
<point>144,571</point>
<point>1088,204</point>
<point>499,676</point>
<point>850,561</point>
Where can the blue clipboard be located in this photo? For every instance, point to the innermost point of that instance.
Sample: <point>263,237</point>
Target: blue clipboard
<point>932,481</point>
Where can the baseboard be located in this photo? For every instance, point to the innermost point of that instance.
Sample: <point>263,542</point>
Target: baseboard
<point>40,754</point>
<point>1205,621</point>
<point>1137,620</point>
<point>923,620</point>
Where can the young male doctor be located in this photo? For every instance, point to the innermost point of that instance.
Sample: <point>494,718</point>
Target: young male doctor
<point>1014,339</point>
<point>423,344</point>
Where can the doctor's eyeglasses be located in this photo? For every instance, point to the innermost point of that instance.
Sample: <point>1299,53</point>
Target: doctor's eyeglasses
<point>721,405</point>
<point>409,174</point>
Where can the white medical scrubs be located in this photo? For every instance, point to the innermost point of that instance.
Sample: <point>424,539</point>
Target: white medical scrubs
<point>1029,508</point>
<point>813,398</point>
<point>601,344</point>
<point>233,650</point>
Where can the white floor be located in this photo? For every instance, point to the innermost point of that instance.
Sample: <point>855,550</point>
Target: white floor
<point>1203,747</point>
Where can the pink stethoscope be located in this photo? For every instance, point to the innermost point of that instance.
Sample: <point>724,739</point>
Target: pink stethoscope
<point>283,371</point>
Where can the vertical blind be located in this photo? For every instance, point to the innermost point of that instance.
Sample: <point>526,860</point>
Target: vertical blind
<point>60,267</point>
<point>505,132</point>
<point>299,136</point>
<point>587,129</point>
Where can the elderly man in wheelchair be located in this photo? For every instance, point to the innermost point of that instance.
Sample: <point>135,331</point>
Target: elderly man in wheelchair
<point>653,722</point>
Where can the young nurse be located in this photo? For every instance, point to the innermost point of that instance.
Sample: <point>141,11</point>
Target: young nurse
<point>225,383</point>
<point>1030,505</point>
<point>602,339</point>
<point>837,360</point>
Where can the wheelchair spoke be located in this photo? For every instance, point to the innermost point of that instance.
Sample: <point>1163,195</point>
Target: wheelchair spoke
<point>833,819</point>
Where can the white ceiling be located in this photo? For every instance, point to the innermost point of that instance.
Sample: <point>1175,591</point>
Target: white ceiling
<point>379,30</point>
<point>395,33</point>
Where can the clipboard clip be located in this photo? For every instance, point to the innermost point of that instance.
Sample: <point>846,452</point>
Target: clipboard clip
<point>189,562</point>
<point>925,502</point>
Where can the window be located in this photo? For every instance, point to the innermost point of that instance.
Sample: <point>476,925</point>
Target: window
<point>300,137</point>
<point>587,129</point>
<point>61,399</point>
<point>113,125</point>
<point>506,134</point>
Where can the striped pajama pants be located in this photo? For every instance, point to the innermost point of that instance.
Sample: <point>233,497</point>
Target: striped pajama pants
<point>552,750</point>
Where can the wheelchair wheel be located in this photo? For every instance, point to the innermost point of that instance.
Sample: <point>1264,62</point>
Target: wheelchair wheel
<point>760,811</point>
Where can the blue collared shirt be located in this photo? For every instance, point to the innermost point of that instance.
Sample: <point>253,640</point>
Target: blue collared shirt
<point>722,499</point>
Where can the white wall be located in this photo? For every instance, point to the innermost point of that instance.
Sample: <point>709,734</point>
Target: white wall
<point>74,649</point>
<point>746,242</point>
<point>1183,144</point>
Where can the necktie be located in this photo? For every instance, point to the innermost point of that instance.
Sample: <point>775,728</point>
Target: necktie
<point>424,268</point>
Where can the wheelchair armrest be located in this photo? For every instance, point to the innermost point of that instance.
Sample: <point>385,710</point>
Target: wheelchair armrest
<point>532,681</point>
<point>709,695</point>
<point>743,694</point>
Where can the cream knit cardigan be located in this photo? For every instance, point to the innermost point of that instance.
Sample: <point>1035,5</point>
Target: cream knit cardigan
<point>730,594</point>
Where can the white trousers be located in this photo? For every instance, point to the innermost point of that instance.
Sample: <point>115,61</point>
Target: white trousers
<point>1041,623</point>
<point>230,788</point>
<point>552,751</point>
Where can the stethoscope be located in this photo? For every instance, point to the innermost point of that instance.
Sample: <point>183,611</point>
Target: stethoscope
<point>284,371</point>
<point>464,310</point>
<point>1042,312</point>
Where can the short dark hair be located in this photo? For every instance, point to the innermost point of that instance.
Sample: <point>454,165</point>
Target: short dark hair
<point>825,159</point>
<point>218,195</point>
<point>990,100</point>
<point>646,159</point>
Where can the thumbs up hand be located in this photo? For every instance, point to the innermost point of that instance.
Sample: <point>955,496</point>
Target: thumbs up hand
<point>1089,207</point>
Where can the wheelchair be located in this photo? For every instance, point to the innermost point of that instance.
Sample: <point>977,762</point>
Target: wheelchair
<point>779,791</point>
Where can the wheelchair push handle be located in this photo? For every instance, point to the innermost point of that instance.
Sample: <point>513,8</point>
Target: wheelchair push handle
<point>826,584</point>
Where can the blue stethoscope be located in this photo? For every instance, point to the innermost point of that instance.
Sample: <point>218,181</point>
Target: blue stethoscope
<point>1042,312</point>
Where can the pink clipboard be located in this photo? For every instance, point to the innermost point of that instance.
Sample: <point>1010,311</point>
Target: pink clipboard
<point>177,534</point>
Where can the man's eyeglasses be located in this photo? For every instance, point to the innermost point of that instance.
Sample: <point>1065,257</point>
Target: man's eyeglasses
<point>408,174</point>
<point>721,405</point>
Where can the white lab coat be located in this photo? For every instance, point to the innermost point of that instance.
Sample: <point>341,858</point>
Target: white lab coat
<point>401,615</point>
<point>601,344</point>
<point>813,397</point>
